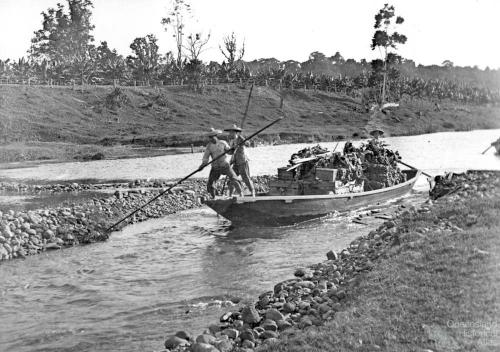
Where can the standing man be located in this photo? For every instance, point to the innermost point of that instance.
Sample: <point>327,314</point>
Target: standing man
<point>239,158</point>
<point>214,149</point>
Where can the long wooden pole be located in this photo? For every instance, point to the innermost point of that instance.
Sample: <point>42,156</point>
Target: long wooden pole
<point>414,168</point>
<point>191,174</point>
<point>246,108</point>
<point>487,149</point>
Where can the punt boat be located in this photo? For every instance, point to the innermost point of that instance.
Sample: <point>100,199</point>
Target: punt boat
<point>271,210</point>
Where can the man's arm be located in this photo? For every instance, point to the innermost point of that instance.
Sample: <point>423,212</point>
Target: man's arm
<point>206,157</point>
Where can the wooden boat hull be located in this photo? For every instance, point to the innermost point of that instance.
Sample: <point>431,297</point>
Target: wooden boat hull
<point>286,210</point>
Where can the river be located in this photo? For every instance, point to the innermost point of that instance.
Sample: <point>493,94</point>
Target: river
<point>434,152</point>
<point>178,272</point>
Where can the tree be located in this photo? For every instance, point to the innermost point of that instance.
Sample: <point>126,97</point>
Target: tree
<point>175,20</point>
<point>195,46</point>
<point>337,58</point>
<point>146,62</point>
<point>386,38</point>
<point>110,65</point>
<point>447,64</point>
<point>231,52</point>
<point>65,40</point>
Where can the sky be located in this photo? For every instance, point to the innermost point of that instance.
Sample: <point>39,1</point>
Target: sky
<point>462,31</point>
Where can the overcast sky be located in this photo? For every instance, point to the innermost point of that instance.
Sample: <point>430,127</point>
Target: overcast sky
<point>463,31</point>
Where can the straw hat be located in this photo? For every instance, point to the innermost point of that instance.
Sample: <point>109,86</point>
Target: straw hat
<point>376,132</point>
<point>213,132</point>
<point>233,128</point>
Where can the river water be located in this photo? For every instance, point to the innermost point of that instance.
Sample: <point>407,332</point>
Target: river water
<point>434,152</point>
<point>154,278</point>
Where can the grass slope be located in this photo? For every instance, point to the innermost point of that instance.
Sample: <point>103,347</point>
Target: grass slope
<point>175,116</point>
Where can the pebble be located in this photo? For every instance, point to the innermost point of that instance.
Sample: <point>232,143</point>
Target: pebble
<point>274,314</point>
<point>174,341</point>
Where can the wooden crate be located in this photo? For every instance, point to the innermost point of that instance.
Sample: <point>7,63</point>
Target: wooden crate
<point>283,174</point>
<point>325,174</point>
<point>285,188</point>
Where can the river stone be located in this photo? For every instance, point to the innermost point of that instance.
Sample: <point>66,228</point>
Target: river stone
<point>205,338</point>
<point>283,325</point>
<point>306,284</point>
<point>304,305</point>
<point>184,335</point>
<point>48,234</point>
<point>324,308</point>
<point>231,333</point>
<point>203,347</point>
<point>224,345</point>
<point>274,314</point>
<point>331,255</point>
<point>248,344</point>
<point>2,239</point>
<point>270,325</point>
<point>52,245</point>
<point>7,232</point>
<point>341,294</point>
<point>269,335</point>
<point>250,315</point>
<point>174,341</point>
<point>263,302</point>
<point>247,334</point>
<point>289,307</point>
<point>7,247</point>
<point>279,287</point>
<point>300,272</point>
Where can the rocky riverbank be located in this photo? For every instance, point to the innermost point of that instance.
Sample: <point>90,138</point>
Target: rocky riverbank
<point>314,310</point>
<point>25,233</point>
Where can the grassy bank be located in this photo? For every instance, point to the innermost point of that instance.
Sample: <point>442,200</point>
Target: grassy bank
<point>94,120</point>
<point>435,289</point>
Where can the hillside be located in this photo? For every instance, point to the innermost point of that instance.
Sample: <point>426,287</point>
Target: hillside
<point>61,118</point>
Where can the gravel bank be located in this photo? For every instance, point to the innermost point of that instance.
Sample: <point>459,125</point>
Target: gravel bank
<point>25,233</point>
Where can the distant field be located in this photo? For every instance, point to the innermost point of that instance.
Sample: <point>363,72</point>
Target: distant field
<point>176,117</point>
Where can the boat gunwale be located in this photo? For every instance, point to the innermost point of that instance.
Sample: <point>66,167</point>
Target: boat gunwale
<point>241,200</point>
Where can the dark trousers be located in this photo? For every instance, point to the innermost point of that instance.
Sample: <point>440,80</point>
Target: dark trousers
<point>216,172</point>
<point>243,170</point>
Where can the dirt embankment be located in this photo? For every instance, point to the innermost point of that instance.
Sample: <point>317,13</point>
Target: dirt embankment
<point>62,123</point>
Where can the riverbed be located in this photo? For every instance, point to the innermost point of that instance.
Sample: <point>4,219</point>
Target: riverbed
<point>178,272</point>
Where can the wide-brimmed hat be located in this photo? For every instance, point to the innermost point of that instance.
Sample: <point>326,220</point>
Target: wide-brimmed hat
<point>376,131</point>
<point>233,128</point>
<point>213,132</point>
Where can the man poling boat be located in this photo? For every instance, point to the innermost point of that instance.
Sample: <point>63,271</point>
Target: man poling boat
<point>239,159</point>
<point>220,165</point>
<point>188,176</point>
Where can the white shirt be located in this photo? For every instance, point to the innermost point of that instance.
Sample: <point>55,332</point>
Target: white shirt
<point>214,150</point>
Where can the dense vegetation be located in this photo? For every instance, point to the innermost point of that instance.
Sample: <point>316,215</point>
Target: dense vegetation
<point>63,52</point>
